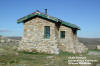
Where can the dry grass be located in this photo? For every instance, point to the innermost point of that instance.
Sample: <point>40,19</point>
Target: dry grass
<point>9,56</point>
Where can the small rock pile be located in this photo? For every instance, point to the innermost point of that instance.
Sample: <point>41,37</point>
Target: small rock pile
<point>7,41</point>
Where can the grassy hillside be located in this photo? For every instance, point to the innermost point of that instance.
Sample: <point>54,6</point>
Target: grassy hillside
<point>10,56</point>
<point>15,38</point>
<point>91,43</point>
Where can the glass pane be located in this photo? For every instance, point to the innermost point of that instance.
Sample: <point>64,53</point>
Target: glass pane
<point>62,34</point>
<point>47,32</point>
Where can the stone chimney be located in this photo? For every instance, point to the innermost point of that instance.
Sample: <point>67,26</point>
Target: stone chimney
<point>46,11</point>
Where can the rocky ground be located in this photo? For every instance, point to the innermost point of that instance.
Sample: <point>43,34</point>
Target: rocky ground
<point>9,56</point>
<point>94,53</point>
<point>8,42</point>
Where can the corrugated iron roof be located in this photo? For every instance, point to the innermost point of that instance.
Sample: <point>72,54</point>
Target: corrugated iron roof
<point>54,19</point>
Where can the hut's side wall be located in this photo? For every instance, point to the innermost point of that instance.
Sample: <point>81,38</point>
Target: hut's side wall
<point>66,44</point>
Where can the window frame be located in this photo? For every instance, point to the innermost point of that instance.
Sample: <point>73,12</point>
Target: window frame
<point>46,32</point>
<point>62,34</point>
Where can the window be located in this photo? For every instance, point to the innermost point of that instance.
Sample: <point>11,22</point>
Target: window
<point>47,32</point>
<point>62,34</point>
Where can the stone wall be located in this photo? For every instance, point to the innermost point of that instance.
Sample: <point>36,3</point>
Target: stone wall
<point>66,44</point>
<point>33,39</point>
<point>71,42</point>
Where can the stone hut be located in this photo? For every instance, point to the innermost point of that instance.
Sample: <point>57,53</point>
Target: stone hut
<point>48,34</point>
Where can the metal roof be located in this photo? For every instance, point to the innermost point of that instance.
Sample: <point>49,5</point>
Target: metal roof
<point>54,19</point>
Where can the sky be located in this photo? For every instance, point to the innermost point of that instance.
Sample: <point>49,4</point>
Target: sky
<point>84,13</point>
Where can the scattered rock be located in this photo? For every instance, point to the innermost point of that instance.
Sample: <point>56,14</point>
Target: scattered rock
<point>49,57</point>
<point>94,53</point>
<point>8,42</point>
<point>98,47</point>
<point>97,64</point>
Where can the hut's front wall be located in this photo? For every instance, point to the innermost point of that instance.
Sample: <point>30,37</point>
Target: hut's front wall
<point>34,36</point>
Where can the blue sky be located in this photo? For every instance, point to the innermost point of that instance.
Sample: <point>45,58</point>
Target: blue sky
<point>84,13</point>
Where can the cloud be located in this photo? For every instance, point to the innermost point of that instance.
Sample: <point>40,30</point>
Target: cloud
<point>4,30</point>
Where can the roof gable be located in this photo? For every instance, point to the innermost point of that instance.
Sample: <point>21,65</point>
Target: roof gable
<point>54,19</point>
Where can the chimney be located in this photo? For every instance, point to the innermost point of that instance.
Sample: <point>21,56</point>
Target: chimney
<point>46,11</point>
